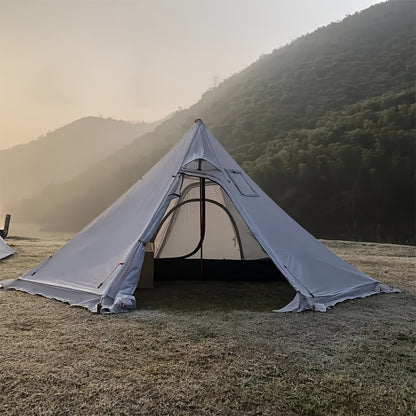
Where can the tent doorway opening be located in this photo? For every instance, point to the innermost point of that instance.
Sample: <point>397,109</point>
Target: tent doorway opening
<point>202,236</point>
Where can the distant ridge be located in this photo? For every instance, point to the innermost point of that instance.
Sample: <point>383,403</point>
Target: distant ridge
<point>325,125</point>
<point>62,154</point>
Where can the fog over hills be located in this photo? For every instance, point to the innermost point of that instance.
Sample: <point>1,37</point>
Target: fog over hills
<point>325,125</point>
<point>61,155</point>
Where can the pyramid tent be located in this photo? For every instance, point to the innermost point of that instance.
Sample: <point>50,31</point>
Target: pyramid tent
<point>100,267</point>
<point>5,250</point>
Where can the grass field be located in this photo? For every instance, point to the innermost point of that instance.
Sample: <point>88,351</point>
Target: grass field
<point>212,348</point>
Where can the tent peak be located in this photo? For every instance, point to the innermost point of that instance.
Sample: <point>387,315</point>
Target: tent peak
<point>200,148</point>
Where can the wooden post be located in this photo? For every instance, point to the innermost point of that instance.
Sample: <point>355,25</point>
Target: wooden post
<point>5,230</point>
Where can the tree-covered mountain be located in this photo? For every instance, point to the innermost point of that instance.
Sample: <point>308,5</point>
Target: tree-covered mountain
<point>352,175</point>
<point>326,125</point>
<point>61,155</point>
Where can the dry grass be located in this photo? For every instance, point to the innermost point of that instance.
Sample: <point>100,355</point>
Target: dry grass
<point>212,348</point>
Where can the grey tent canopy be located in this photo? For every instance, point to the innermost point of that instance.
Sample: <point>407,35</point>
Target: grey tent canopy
<point>5,250</point>
<point>100,267</point>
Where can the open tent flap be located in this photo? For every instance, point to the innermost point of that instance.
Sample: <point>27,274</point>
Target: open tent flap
<point>302,303</point>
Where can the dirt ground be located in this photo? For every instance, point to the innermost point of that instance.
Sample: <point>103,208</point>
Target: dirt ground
<point>212,348</point>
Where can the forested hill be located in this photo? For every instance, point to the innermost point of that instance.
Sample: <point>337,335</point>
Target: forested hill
<point>62,154</point>
<point>326,125</point>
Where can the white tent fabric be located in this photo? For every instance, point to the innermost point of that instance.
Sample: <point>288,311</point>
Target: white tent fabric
<point>100,267</point>
<point>5,250</point>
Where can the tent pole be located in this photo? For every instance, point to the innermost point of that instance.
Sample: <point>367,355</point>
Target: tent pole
<point>202,222</point>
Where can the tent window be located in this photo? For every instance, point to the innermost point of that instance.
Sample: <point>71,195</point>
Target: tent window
<point>241,183</point>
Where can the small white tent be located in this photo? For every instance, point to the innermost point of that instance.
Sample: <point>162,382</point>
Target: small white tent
<point>100,267</point>
<point>5,250</point>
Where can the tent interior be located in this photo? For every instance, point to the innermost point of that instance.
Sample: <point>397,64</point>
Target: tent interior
<point>203,237</point>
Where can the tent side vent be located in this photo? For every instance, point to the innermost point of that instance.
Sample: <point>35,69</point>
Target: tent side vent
<point>241,183</point>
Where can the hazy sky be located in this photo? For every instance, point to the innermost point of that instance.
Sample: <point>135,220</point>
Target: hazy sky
<point>134,59</point>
